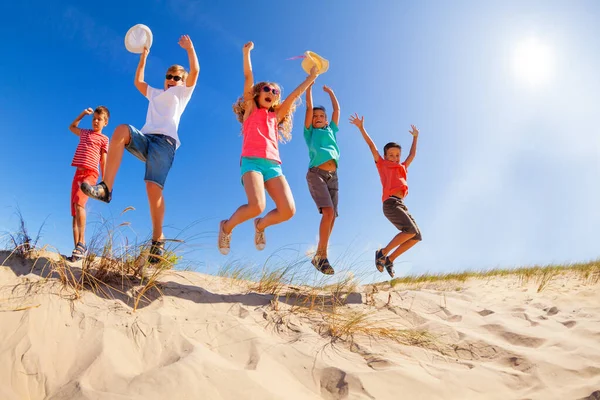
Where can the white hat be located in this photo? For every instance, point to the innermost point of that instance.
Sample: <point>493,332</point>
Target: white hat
<point>138,37</point>
<point>312,59</point>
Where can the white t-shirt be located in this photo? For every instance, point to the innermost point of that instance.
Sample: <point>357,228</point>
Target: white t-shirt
<point>165,109</point>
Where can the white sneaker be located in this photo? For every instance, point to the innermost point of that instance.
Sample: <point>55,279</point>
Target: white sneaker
<point>259,237</point>
<point>224,241</point>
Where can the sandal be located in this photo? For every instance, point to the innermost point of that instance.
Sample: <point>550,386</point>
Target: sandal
<point>322,265</point>
<point>78,252</point>
<point>98,192</point>
<point>157,250</point>
<point>379,260</point>
<point>389,266</point>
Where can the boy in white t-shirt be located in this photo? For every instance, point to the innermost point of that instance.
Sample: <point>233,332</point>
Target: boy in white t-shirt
<point>156,142</point>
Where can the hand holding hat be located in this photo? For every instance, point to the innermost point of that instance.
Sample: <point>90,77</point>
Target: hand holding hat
<point>138,38</point>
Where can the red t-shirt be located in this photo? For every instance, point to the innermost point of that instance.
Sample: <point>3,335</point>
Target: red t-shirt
<point>393,178</point>
<point>90,148</point>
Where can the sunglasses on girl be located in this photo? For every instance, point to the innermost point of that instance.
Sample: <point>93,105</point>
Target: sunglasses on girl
<point>268,89</point>
<point>174,77</point>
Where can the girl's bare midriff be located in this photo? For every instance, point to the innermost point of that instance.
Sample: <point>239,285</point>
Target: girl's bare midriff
<point>328,165</point>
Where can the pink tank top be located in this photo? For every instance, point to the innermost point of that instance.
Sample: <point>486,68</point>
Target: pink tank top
<point>261,135</point>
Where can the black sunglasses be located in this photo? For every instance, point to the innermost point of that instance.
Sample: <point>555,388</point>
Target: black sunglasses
<point>268,89</point>
<point>174,77</point>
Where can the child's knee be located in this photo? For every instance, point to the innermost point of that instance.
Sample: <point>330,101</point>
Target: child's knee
<point>328,213</point>
<point>288,212</point>
<point>256,208</point>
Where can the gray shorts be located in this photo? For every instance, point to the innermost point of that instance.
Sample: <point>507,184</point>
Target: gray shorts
<point>395,210</point>
<point>323,187</point>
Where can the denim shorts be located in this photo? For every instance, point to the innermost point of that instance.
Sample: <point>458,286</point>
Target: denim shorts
<point>157,151</point>
<point>269,169</point>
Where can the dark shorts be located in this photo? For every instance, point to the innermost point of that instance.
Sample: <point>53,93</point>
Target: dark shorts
<point>395,210</point>
<point>323,187</point>
<point>157,151</point>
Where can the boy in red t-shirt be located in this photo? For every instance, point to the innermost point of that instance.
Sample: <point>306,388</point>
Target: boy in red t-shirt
<point>91,151</point>
<point>393,179</point>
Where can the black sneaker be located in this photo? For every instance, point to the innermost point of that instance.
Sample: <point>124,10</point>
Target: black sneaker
<point>157,250</point>
<point>98,192</point>
<point>379,260</point>
<point>389,266</point>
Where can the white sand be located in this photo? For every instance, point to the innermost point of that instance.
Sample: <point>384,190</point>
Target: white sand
<point>209,339</point>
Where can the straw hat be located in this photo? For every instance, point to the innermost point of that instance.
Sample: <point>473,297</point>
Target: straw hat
<point>311,59</point>
<point>138,37</point>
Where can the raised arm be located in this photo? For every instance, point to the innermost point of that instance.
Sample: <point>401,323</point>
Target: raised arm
<point>360,124</point>
<point>138,81</point>
<point>186,43</point>
<point>309,107</point>
<point>335,116</point>
<point>287,103</point>
<point>413,148</point>
<point>74,127</point>
<point>248,76</point>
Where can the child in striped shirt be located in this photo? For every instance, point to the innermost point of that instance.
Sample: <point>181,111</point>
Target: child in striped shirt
<point>91,151</point>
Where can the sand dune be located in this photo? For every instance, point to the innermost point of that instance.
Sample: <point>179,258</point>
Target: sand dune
<point>209,338</point>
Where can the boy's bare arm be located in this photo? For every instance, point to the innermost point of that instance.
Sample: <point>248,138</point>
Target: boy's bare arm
<point>360,124</point>
<point>335,116</point>
<point>287,103</point>
<point>139,82</point>
<point>413,148</point>
<point>186,43</point>
<point>74,127</point>
<point>309,107</point>
<point>248,75</point>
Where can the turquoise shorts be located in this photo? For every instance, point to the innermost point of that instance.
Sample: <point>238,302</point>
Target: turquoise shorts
<point>269,169</point>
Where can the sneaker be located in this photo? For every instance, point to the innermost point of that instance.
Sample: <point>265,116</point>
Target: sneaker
<point>389,266</point>
<point>157,250</point>
<point>98,192</point>
<point>379,260</point>
<point>259,236</point>
<point>322,265</point>
<point>224,241</point>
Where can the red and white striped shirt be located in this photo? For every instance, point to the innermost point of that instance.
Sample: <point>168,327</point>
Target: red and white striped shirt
<point>91,146</point>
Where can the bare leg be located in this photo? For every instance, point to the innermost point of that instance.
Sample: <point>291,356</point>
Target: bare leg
<point>280,192</point>
<point>120,138</point>
<point>75,229</point>
<point>398,240</point>
<point>157,209</point>
<point>325,229</point>
<point>402,248</point>
<point>80,217</point>
<point>255,192</point>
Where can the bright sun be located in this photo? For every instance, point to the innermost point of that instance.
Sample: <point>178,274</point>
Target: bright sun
<point>533,61</point>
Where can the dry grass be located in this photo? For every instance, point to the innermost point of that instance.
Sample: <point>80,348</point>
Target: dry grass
<point>589,272</point>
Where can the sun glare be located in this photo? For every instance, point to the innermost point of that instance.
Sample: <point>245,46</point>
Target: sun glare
<point>533,62</point>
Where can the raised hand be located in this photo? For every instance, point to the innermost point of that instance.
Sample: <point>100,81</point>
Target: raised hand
<point>185,42</point>
<point>358,121</point>
<point>88,111</point>
<point>314,71</point>
<point>327,89</point>
<point>248,46</point>
<point>414,131</point>
<point>145,52</point>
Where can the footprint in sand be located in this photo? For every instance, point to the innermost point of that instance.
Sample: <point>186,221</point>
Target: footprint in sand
<point>514,338</point>
<point>337,384</point>
<point>569,324</point>
<point>594,396</point>
<point>551,311</point>
<point>254,357</point>
<point>485,313</point>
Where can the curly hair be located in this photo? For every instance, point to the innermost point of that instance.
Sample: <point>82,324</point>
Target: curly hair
<point>285,125</point>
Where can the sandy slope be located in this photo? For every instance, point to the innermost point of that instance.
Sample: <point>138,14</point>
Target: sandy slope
<point>210,339</point>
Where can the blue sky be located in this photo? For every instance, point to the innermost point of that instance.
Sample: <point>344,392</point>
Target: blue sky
<point>506,172</point>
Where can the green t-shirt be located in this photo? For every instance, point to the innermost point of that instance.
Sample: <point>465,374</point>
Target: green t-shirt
<point>322,144</point>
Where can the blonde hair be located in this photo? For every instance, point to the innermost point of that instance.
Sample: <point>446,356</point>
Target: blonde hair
<point>102,110</point>
<point>178,68</point>
<point>284,126</point>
